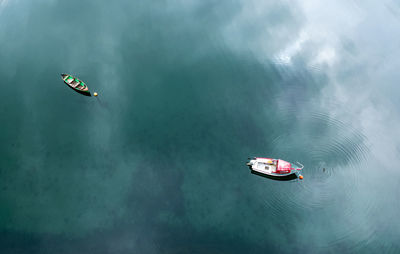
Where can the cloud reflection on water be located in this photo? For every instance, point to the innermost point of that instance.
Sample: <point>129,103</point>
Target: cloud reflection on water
<point>206,84</point>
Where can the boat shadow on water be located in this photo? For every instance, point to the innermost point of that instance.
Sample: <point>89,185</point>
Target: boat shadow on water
<point>81,92</point>
<point>280,178</point>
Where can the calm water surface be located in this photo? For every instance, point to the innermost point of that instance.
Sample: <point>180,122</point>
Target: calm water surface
<point>187,91</point>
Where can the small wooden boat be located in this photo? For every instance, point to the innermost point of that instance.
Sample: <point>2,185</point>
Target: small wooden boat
<point>76,84</point>
<point>275,168</point>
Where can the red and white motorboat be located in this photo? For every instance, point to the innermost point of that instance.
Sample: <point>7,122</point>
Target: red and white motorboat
<point>275,168</point>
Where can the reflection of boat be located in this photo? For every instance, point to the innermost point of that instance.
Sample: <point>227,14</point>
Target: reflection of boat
<point>76,84</point>
<point>274,168</point>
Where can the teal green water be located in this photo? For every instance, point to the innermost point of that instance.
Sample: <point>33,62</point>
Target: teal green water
<point>188,90</point>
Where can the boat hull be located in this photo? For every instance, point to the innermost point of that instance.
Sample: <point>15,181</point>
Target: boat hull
<point>267,167</point>
<point>85,92</point>
<point>275,177</point>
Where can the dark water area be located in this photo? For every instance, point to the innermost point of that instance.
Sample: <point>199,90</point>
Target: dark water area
<point>188,90</point>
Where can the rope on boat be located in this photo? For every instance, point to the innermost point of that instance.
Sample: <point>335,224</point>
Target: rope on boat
<point>300,165</point>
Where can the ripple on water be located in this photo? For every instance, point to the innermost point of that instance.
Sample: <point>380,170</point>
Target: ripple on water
<point>335,158</point>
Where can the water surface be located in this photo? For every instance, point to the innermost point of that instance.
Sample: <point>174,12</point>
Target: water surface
<point>188,90</point>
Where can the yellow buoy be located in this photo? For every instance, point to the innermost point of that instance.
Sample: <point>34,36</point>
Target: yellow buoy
<point>301,177</point>
<point>95,94</point>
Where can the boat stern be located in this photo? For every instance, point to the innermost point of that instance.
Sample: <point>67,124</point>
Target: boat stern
<point>64,76</point>
<point>250,163</point>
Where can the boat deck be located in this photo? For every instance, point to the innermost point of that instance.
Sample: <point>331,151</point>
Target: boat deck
<point>265,167</point>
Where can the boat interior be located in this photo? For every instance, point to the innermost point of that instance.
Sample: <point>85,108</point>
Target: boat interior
<point>270,168</point>
<point>75,84</point>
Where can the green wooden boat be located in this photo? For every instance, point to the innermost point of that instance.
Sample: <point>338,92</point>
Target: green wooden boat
<point>76,84</point>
